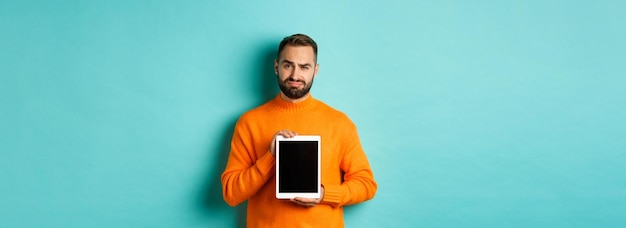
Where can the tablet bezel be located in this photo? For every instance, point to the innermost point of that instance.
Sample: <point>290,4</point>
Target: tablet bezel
<point>291,195</point>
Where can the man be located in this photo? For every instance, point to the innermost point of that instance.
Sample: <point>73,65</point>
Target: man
<point>250,173</point>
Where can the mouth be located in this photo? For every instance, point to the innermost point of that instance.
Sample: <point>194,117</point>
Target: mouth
<point>294,83</point>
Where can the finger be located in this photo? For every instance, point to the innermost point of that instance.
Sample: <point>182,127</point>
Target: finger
<point>303,204</point>
<point>306,201</point>
<point>287,133</point>
<point>284,133</point>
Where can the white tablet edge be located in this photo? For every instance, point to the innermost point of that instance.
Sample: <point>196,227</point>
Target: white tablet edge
<point>314,195</point>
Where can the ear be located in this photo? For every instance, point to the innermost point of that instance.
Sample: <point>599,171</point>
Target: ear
<point>317,67</point>
<point>276,66</point>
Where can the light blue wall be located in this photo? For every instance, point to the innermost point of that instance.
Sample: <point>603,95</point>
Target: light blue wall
<point>473,113</point>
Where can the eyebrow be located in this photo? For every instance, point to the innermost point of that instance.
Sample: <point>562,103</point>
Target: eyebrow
<point>301,65</point>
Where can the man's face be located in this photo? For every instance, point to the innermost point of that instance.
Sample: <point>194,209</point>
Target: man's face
<point>296,68</point>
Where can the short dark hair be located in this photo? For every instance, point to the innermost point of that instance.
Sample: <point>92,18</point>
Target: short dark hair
<point>297,40</point>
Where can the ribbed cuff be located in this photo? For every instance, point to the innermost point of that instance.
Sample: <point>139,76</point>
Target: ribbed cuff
<point>332,195</point>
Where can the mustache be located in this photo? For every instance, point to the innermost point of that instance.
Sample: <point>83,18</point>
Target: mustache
<point>293,80</point>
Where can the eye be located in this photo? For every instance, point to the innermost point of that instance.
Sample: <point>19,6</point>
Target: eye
<point>287,66</point>
<point>305,67</point>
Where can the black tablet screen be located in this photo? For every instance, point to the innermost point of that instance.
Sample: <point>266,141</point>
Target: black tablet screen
<point>298,167</point>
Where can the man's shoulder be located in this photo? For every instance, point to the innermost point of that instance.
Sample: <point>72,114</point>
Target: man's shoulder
<point>257,111</point>
<point>334,112</point>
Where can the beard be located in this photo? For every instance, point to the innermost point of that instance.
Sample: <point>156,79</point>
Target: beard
<point>292,92</point>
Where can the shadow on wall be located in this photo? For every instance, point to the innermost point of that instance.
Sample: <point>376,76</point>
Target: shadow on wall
<point>267,84</point>
<point>263,88</point>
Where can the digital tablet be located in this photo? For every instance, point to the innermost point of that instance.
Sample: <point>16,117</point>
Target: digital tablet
<point>298,166</point>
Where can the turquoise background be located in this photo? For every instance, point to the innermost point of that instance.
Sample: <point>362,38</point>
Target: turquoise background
<point>472,113</point>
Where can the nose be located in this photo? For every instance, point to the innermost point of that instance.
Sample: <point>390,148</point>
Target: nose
<point>295,72</point>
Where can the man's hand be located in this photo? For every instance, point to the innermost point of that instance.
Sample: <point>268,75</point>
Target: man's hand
<point>284,133</point>
<point>309,202</point>
<point>305,202</point>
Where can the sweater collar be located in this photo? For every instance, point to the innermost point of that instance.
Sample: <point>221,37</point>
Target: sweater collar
<point>306,104</point>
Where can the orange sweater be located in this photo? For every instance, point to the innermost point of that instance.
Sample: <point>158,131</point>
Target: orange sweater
<point>250,173</point>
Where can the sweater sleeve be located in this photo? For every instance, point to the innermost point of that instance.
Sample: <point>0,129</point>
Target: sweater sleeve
<point>358,180</point>
<point>245,174</point>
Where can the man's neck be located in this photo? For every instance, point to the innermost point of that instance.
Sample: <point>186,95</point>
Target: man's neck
<point>297,100</point>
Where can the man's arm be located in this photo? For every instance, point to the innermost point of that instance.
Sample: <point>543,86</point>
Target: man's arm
<point>245,174</point>
<point>359,184</point>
